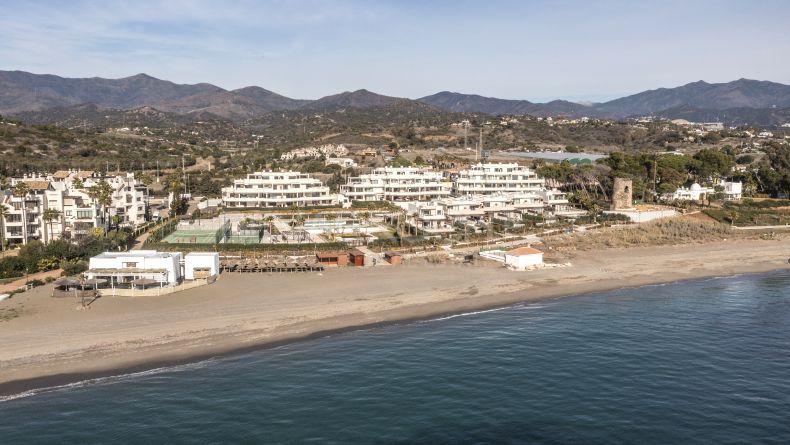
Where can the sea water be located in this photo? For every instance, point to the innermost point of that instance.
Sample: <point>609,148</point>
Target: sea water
<point>704,361</point>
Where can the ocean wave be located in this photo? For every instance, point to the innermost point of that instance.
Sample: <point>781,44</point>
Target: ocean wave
<point>466,314</point>
<point>107,380</point>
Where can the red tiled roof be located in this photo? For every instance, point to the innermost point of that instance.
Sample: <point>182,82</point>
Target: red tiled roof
<point>523,251</point>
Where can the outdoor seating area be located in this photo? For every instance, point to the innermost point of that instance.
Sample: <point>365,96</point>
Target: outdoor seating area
<point>251,265</point>
<point>84,290</point>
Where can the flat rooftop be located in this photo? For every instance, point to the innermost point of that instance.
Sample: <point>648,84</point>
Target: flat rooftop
<point>137,253</point>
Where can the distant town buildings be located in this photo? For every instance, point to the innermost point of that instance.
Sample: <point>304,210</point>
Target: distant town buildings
<point>343,162</point>
<point>328,150</point>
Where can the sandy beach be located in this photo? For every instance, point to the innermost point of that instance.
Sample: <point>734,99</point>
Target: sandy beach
<point>51,343</point>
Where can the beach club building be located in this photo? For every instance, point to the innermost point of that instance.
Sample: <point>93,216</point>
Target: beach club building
<point>136,267</point>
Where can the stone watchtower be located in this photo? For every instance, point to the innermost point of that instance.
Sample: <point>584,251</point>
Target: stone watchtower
<point>622,194</point>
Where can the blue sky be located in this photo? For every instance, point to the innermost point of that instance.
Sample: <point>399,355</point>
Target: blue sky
<point>536,50</point>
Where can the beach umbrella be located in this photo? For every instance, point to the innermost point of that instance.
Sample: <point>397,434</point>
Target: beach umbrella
<point>66,282</point>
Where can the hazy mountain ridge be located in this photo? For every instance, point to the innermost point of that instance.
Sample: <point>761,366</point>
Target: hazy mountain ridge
<point>473,103</point>
<point>49,98</point>
<point>738,96</point>
<point>742,93</point>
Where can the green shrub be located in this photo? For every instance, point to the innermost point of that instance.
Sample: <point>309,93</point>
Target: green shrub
<point>74,267</point>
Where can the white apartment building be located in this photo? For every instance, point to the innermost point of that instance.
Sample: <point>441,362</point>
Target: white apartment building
<point>25,220</point>
<point>487,179</point>
<point>128,198</point>
<point>528,202</point>
<point>78,213</point>
<point>429,218</point>
<point>267,189</point>
<point>462,209</point>
<point>497,203</point>
<point>556,203</point>
<point>397,184</point>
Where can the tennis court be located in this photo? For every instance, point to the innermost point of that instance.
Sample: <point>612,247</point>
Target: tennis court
<point>194,237</point>
<point>246,237</point>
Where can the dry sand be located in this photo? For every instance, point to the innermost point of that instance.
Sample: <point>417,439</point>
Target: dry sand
<point>50,342</point>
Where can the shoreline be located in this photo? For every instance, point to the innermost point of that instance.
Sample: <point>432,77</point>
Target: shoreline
<point>41,372</point>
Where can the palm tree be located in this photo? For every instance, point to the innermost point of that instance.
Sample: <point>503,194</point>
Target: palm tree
<point>300,219</point>
<point>101,193</point>
<point>116,221</point>
<point>49,216</point>
<point>331,218</point>
<point>3,214</point>
<point>21,190</point>
<point>270,219</point>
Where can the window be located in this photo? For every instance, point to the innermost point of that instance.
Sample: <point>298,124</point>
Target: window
<point>130,265</point>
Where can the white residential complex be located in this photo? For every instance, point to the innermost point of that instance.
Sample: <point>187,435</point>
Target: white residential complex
<point>397,184</point>
<point>486,179</point>
<point>267,189</point>
<point>60,205</point>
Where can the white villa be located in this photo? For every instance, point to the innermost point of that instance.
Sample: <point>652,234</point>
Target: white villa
<point>733,191</point>
<point>397,184</point>
<point>267,189</point>
<point>486,179</point>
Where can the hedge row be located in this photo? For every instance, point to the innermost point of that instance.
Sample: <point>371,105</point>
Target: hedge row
<point>162,232</point>
<point>231,248</point>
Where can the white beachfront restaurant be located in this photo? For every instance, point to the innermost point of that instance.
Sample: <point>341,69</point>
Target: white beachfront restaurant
<point>124,268</point>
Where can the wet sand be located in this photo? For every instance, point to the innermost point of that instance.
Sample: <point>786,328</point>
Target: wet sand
<point>51,343</point>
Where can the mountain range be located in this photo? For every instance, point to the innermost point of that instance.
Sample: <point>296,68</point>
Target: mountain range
<point>27,94</point>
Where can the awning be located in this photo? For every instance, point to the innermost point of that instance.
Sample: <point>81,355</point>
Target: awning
<point>144,282</point>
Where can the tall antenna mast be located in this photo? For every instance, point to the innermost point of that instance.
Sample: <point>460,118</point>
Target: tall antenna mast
<point>480,145</point>
<point>466,131</point>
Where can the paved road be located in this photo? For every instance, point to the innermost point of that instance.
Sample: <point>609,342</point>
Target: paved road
<point>16,284</point>
<point>784,227</point>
